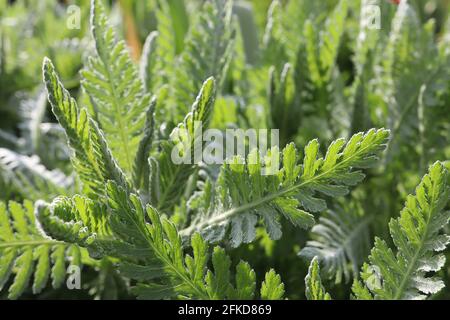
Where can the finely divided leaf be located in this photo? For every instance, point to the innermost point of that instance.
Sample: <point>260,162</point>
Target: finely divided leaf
<point>272,288</point>
<point>242,193</point>
<point>408,273</point>
<point>27,253</point>
<point>116,90</point>
<point>91,156</point>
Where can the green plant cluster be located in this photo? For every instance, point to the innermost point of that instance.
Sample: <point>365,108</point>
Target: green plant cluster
<point>90,117</point>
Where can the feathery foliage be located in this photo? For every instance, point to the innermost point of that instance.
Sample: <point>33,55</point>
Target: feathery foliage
<point>28,177</point>
<point>91,156</point>
<point>151,253</point>
<point>149,62</point>
<point>313,283</point>
<point>167,178</point>
<point>272,288</point>
<point>340,241</point>
<point>28,253</point>
<point>105,159</point>
<point>229,206</point>
<point>407,274</point>
<point>117,92</point>
<point>208,52</point>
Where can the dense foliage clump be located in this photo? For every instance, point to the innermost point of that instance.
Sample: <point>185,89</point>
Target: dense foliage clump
<point>91,119</point>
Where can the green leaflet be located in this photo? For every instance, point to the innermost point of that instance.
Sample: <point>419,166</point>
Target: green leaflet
<point>272,288</point>
<point>74,220</point>
<point>28,177</point>
<point>410,82</point>
<point>363,59</point>
<point>331,38</point>
<point>340,241</point>
<point>245,282</point>
<point>313,283</point>
<point>408,272</point>
<point>160,51</point>
<point>140,166</point>
<point>229,206</point>
<point>117,92</point>
<point>296,13</point>
<point>91,156</point>
<point>27,253</point>
<point>148,63</point>
<point>152,253</point>
<point>162,47</point>
<point>321,50</point>
<point>180,22</point>
<point>285,110</point>
<point>207,53</point>
<point>167,178</point>
<point>275,46</point>
<point>314,58</point>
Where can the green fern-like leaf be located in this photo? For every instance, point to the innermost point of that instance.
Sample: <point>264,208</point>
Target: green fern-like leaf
<point>321,50</point>
<point>331,38</point>
<point>160,50</point>
<point>275,45</point>
<point>340,241</point>
<point>229,206</point>
<point>408,273</point>
<point>208,51</point>
<point>151,253</point>
<point>167,178</point>
<point>149,62</point>
<point>313,283</point>
<point>117,92</point>
<point>91,156</point>
<point>408,82</point>
<point>28,177</point>
<point>140,167</point>
<point>367,41</point>
<point>74,220</point>
<point>284,103</point>
<point>26,252</point>
<point>272,288</point>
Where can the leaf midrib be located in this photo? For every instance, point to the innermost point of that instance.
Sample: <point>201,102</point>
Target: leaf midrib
<point>31,243</point>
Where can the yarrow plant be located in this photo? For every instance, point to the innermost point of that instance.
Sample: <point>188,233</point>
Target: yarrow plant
<point>192,143</point>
